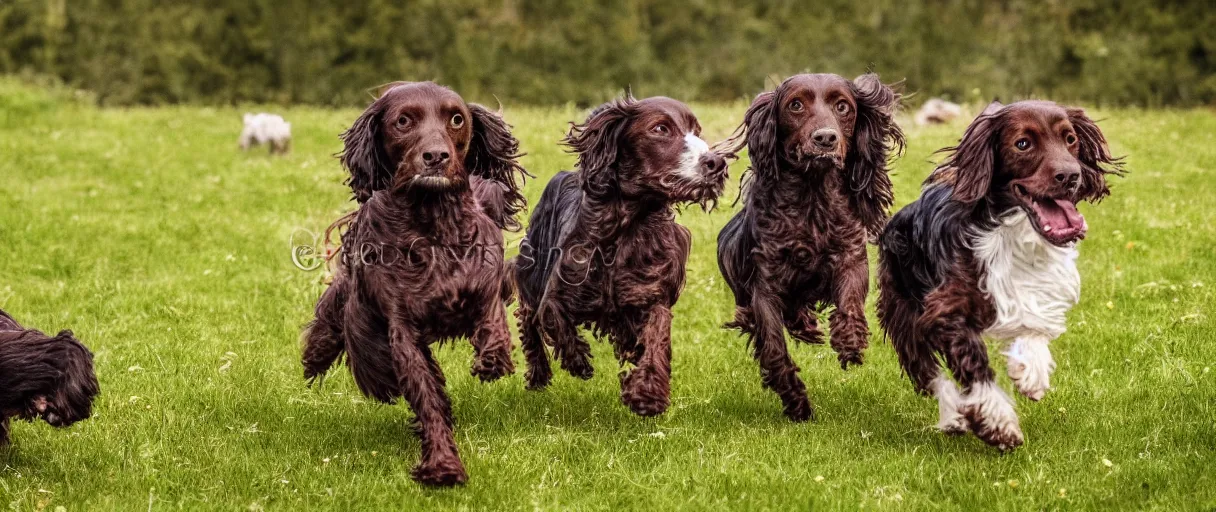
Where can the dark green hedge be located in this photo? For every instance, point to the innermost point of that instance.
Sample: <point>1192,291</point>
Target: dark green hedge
<point>1139,52</point>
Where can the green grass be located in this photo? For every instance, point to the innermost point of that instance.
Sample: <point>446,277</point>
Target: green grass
<point>166,250</point>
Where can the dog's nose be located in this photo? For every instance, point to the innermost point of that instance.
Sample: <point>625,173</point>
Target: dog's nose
<point>712,163</point>
<point>825,138</point>
<point>435,157</point>
<point>1068,177</point>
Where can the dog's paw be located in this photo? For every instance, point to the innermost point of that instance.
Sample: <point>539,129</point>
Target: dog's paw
<point>805,328</point>
<point>644,394</point>
<point>440,472</point>
<point>578,365</point>
<point>1030,381</point>
<point>798,409</point>
<point>811,335</point>
<point>990,415</point>
<point>949,420</point>
<point>849,358</point>
<point>953,425</point>
<point>1030,366</point>
<point>538,377</point>
<point>492,367</point>
<point>785,382</point>
<point>743,320</point>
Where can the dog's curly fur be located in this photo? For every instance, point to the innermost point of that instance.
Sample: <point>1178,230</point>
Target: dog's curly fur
<point>422,261</point>
<point>603,249</point>
<point>818,190</point>
<point>43,377</point>
<point>989,249</point>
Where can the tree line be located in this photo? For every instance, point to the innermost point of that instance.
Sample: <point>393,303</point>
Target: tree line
<point>128,52</point>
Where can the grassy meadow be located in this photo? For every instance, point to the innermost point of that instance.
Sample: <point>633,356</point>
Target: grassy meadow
<point>167,251</point>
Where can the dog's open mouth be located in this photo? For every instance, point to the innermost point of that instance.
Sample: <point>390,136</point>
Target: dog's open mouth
<point>1057,220</point>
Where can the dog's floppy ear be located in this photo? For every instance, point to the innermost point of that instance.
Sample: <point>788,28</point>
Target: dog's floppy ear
<point>494,155</point>
<point>363,153</point>
<point>8,323</point>
<point>876,137</point>
<point>1095,157</point>
<point>972,162</point>
<point>597,144</point>
<point>757,133</point>
<point>760,129</point>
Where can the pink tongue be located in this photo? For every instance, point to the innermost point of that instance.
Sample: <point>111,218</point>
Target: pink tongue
<point>1059,214</point>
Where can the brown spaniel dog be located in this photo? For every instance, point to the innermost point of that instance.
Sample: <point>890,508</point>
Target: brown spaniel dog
<point>422,260</point>
<point>603,248</point>
<point>990,249</point>
<point>819,189</point>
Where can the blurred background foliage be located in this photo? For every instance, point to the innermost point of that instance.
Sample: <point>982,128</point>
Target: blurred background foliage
<point>1134,52</point>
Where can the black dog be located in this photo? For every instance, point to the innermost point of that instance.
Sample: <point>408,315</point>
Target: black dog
<point>43,377</point>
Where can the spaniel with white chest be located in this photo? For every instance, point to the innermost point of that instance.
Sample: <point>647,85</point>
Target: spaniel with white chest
<point>990,250</point>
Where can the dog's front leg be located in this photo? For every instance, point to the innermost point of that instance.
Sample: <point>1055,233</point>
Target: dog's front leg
<point>4,440</point>
<point>803,326</point>
<point>424,391</point>
<point>647,389</point>
<point>570,349</point>
<point>850,333</point>
<point>492,342</point>
<point>778,371</point>
<point>539,373</point>
<point>952,321</point>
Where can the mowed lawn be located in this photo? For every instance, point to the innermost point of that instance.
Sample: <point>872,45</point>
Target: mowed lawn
<point>167,251</point>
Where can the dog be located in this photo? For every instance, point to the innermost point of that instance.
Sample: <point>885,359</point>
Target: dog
<point>818,190</point>
<point>267,129</point>
<point>989,249</point>
<point>603,249</point>
<point>937,111</point>
<point>43,377</point>
<point>422,259</point>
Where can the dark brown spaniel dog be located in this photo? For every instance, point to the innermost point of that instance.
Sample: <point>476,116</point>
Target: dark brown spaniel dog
<point>990,249</point>
<point>603,248</point>
<point>48,377</point>
<point>819,188</point>
<point>422,260</point>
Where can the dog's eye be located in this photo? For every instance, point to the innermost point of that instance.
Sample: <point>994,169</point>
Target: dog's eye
<point>403,120</point>
<point>457,121</point>
<point>796,106</point>
<point>842,107</point>
<point>1022,144</point>
<point>661,129</point>
<point>1070,139</point>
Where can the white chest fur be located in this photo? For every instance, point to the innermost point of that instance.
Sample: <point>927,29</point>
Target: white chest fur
<point>1031,282</point>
